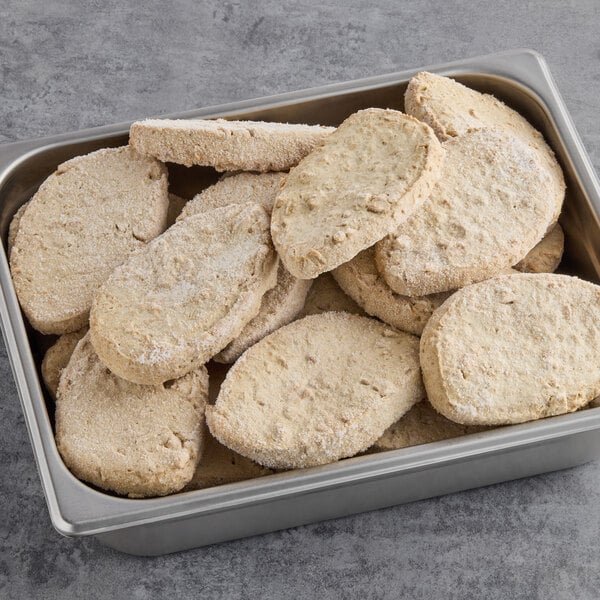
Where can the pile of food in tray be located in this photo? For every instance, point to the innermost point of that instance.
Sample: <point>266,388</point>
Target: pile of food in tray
<point>311,267</point>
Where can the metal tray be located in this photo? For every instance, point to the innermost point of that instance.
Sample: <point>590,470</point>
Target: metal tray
<point>160,525</point>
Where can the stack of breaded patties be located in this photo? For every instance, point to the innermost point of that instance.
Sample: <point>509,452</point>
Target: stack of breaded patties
<point>312,267</point>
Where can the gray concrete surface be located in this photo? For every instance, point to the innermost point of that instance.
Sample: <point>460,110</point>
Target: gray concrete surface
<point>69,65</point>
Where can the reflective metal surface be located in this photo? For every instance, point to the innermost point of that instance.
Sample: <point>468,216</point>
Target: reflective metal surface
<point>159,525</point>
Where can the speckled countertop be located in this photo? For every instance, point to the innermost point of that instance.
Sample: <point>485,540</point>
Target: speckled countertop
<point>70,65</point>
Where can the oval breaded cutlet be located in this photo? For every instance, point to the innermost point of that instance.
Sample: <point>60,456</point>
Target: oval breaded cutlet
<point>491,206</point>
<point>514,348</point>
<point>281,304</point>
<point>320,389</point>
<point>227,145</point>
<point>136,440</point>
<point>366,178</point>
<point>453,109</point>
<point>84,221</point>
<point>174,305</point>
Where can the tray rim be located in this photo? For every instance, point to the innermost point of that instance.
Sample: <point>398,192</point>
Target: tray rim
<point>77,509</point>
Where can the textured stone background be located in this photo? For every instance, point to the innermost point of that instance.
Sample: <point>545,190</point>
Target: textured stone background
<point>69,65</point>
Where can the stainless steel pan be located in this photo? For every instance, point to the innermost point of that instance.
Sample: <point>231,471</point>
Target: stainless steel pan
<point>160,525</point>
